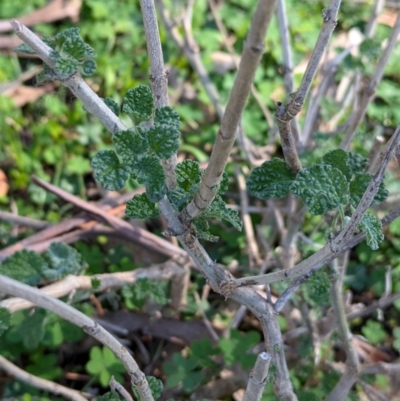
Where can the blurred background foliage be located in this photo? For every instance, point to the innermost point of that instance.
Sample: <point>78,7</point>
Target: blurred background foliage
<point>54,138</point>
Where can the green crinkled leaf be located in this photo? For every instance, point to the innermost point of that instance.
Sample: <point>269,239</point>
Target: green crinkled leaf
<point>62,260</point>
<point>340,159</point>
<point>139,207</point>
<point>5,319</point>
<point>112,105</point>
<point>167,116</point>
<point>321,187</point>
<point>316,289</point>
<point>74,47</point>
<point>89,51</point>
<point>201,225</point>
<point>271,180</point>
<point>150,172</point>
<point>163,140</point>
<point>360,184</point>
<point>66,67</point>
<point>110,396</point>
<point>218,210</point>
<point>130,146</point>
<point>25,266</point>
<point>24,48</point>
<point>188,173</point>
<point>372,228</point>
<point>179,197</point>
<point>356,163</point>
<point>138,103</point>
<point>108,171</point>
<point>32,329</point>
<point>61,37</point>
<point>88,67</point>
<point>156,387</point>
<point>224,184</point>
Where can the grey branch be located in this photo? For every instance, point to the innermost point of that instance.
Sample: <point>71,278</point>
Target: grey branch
<point>258,378</point>
<point>77,318</point>
<point>38,382</point>
<point>252,52</point>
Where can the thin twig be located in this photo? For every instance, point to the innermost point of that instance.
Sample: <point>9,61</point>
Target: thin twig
<point>38,382</point>
<point>252,52</point>
<point>77,318</point>
<point>23,221</point>
<point>258,378</point>
<point>368,92</point>
<point>158,76</point>
<point>115,386</point>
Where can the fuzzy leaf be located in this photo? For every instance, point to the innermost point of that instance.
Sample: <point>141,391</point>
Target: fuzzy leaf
<point>155,385</point>
<point>74,47</point>
<point>321,187</point>
<point>32,329</point>
<point>112,105</point>
<point>24,48</point>
<point>88,67</point>
<point>188,173</point>
<point>139,207</point>
<point>66,67</point>
<point>61,37</point>
<point>201,226</point>
<point>372,228</point>
<point>163,140</point>
<point>130,146</point>
<point>356,162</point>
<point>138,103</point>
<point>110,396</point>
<point>340,159</point>
<point>5,319</point>
<point>218,210</point>
<point>224,184</point>
<point>89,51</point>
<point>108,171</point>
<point>179,197</point>
<point>271,180</point>
<point>151,173</point>
<point>25,266</point>
<point>360,184</point>
<point>167,116</point>
<point>63,260</point>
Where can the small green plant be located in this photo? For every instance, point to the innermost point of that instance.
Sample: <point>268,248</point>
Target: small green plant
<point>103,364</point>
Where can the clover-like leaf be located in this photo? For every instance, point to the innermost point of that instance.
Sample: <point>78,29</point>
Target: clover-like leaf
<point>360,184</point>
<point>66,67</point>
<point>74,47</point>
<point>138,103</point>
<point>24,48</point>
<point>271,180</point>
<point>372,228</point>
<point>167,116</point>
<point>130,146</point>
<point>218,210</point>
<point>5,319</point>
<point>340,159</point>
<point>112,105</point>
<point>188,173</point>
<point>108,171</point>
<point>321,187</point>
<point>139,207</point>
<point>88,67</point>
<point>25,266</point>
<point>356,162</point>
<point>62,260</point>
<point>163,140</point>
<point>151,173</point>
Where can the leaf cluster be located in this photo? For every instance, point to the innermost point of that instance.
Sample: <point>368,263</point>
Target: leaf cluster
<point>337,182</point>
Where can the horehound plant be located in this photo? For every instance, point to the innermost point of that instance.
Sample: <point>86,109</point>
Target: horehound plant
<point>340,187</point>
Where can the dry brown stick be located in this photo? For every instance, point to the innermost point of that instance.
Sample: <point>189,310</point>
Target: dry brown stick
<point>164,271</point>
<point>252,52</point>
<point>368,91</point>
<point>252,246</point>
<point>146,239</point>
